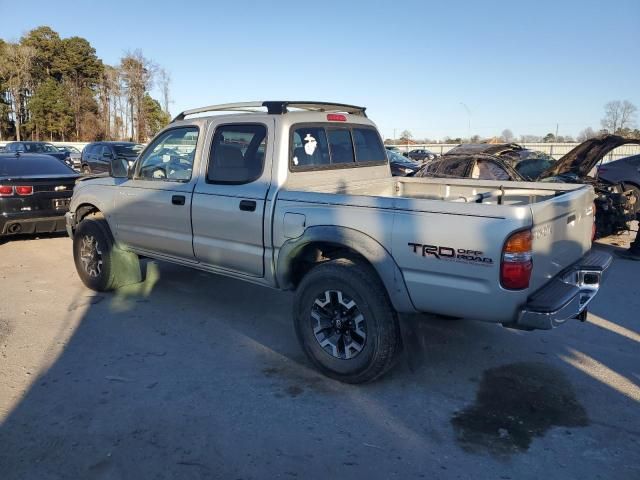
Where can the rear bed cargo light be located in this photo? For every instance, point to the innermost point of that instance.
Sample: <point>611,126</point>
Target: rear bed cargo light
<point>6,190</point>
<point>24,190</point>
<point>517,263</point>
<point>336,117</point>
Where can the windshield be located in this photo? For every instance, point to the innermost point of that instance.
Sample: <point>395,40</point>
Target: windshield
<point>132,150</point>
<point>398,158</point>
<point>40,148</point>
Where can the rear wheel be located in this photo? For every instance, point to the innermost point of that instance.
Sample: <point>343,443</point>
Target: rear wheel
<point>345,322</point>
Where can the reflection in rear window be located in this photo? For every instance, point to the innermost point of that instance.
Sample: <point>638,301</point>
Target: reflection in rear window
<point>332,145</point>
<point>24,165</point>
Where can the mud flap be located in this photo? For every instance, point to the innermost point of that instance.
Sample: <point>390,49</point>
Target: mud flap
<point>582,316</point>
<point>126,266</point>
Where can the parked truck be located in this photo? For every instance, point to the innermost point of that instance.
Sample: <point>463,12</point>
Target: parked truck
<point>299,196</point>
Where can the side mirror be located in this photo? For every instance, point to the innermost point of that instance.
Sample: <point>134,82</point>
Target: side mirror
<point>119,168</point>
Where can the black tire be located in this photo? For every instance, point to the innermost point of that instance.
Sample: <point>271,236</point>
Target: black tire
<point>355,282</point>
<point>99,273</point>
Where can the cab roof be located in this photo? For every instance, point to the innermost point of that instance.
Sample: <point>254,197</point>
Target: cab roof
<point>276,107</point>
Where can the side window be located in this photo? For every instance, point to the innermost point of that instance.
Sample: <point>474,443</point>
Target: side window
<point>310,147</point>
<point>237,154</point>
<point>368,145</point>
<point>170,156</point>
<point>488,170</point>
<point>453,168</point>
<point>106,153</point>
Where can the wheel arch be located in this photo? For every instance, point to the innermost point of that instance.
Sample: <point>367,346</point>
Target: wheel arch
<point>298,256</point>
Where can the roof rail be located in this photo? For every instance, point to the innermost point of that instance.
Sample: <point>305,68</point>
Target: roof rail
<point>275,108</point>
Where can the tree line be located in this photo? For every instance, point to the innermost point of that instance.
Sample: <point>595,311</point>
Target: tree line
<point>619,118</point>
<point>54,88</point>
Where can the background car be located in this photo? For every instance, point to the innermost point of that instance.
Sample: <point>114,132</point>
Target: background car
<point>38,147</point>
<point>421,155</point>
<point>392,148</point>
<point>625,171</point>
<point>402,166</point>
<point>74,154</point>
<point>35,191</point>
<point>528,163</point>
<point>96,157</point>
<point>615,205</point>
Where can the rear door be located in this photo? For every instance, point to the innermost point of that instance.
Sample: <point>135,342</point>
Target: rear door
<point>229,200</point>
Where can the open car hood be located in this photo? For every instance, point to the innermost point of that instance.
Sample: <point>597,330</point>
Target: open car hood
<point>581,159</point>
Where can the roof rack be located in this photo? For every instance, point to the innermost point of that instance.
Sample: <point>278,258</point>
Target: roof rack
<point>275,108</point>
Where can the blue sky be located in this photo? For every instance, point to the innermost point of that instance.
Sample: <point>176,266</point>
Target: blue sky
<point>519,65</point>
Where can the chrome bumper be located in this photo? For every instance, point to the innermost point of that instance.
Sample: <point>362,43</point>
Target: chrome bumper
<point>566,296</point>
<point>70,222</point>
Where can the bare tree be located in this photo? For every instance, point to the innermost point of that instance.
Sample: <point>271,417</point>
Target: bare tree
<point>507,135</point>
<point>618,115</point>
<point>586,134</point>
<point>138,73</point>
<point>164,81</point>
<point>15,67</point>
<point>406,135</point>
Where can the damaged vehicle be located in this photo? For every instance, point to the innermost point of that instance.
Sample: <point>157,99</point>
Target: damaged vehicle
<point>615,204</point>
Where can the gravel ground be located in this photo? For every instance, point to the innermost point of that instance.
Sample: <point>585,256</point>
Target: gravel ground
<point>190,375</point>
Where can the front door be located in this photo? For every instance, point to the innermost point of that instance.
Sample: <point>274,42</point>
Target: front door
<point>152,210</point>
<point>229,199</point>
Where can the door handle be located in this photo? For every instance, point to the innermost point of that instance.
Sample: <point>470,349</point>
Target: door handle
<point>177,199</point>
<point>248,205</point>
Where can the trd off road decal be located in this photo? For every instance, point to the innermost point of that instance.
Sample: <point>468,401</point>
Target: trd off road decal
<point>451,254</point>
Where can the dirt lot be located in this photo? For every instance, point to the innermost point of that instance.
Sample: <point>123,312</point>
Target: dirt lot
<point>190,375</point>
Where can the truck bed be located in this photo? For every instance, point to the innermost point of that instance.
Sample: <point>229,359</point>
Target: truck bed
<point>458,214</point>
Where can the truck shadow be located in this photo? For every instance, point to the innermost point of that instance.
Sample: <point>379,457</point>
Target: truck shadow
<point>192,375</point>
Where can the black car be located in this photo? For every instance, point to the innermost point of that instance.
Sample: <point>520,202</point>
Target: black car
<point>35,191</point>
<point>529,163</point>
<point>96,157</point>
<point>615,204</point>
<point>39,147</point>
<point>625,171</point>
<point>73,153</point>
<point>402,166</point>
<point>421,155</point>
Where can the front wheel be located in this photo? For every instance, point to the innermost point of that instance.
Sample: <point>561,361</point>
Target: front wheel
<point>345,321</point>
<point>100,264</point>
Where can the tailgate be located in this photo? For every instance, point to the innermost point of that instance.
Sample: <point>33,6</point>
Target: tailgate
<point>562,231</point>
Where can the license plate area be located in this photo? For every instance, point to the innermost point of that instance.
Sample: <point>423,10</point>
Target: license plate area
<point>61,203</point>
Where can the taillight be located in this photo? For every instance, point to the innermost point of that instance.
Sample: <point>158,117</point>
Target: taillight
<point>336,117</point>
<point>6,190</point>
<point>516,265</point>
<point>24,190</point>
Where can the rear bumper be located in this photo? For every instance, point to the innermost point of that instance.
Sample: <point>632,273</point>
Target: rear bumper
<point>566,296</point>
<point>42,222</point>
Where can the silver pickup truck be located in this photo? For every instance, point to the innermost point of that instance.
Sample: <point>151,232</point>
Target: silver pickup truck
<point>299,196</point>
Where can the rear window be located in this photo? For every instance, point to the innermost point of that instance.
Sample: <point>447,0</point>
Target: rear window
<point>328,146</point>
<point>128,150</point>
<point>16,167</point>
